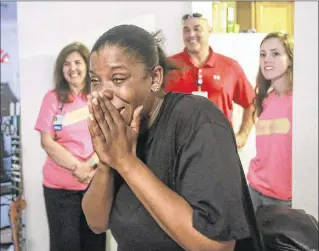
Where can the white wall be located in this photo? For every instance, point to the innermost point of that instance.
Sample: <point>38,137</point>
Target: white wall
<point>244,48</point>
<point>205,8</point>
<point>43,29</point>
<point>305,108</point>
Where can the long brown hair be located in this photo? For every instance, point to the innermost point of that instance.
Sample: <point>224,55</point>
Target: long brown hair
<point>262,84</point>
<point>62,87</point>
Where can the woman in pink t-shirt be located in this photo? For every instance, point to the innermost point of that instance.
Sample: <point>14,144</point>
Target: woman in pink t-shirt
<point>69,166</point>
<point>270,172</point>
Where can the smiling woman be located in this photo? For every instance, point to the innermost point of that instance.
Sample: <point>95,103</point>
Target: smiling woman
<point>169,176</point>
<point>67,142</point>
<point>270,172</point>
<point>70,74</point>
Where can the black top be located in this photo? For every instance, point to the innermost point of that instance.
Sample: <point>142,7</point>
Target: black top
<point>192,149</point>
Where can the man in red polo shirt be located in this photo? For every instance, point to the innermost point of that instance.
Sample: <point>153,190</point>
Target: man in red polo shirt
<point>206,73</point>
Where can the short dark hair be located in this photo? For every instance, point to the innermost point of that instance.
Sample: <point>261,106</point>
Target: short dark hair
<point>134,39</point>
<point>62,88</point>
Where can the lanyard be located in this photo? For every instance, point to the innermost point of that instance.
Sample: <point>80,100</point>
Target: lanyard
<point>61,106</point>
<point>60,109</point>
<point>58,119</point>
<point>199,80</point>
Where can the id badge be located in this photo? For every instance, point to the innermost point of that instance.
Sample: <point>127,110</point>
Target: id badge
<point>200,93</point>
<point>58,122</point>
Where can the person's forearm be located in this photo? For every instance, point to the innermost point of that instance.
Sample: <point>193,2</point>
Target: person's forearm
<point>171,211</point>
<point>60,155</point>
<point>98,199</point>
<point>247,121</point>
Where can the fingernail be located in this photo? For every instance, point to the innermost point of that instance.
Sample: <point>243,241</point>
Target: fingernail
<point>100,94</point>
<point>140,108</point>
<point>94,101</point>
<point>95,94</point>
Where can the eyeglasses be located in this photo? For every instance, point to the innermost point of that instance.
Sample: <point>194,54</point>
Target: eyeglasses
<point>191,15</point>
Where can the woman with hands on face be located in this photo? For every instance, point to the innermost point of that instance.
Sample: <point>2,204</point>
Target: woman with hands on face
<point>169,176</point>
<point>113,139</point>
<point>69,166</point>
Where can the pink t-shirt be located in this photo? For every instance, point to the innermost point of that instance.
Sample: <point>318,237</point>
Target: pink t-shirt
<point>270,172</point>
<point>74,137</point>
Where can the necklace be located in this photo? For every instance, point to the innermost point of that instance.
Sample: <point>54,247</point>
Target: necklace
<point>155,113</point>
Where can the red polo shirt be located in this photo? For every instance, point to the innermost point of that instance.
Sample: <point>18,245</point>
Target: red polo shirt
<point>223,79</point>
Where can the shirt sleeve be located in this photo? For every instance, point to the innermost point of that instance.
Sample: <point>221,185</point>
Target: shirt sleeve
<point>173,77</point>
<point>244,93</point>
<point>210,178</point>
<point>169,82</point>
<point>48,110</point>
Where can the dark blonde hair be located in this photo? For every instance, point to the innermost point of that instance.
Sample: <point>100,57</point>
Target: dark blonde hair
<point>262,84</point>
<point>62,88</point>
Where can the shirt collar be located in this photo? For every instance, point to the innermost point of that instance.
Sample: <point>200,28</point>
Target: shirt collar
<point>209,63</point>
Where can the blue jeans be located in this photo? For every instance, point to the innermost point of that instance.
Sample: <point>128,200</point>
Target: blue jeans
<point>259,199</point>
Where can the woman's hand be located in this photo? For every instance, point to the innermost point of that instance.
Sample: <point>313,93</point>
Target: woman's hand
<point>113,140</point>
<point>241,140</point>
<point>84,172</point>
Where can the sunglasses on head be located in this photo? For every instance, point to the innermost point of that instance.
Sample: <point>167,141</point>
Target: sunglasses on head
<point>191,15</point>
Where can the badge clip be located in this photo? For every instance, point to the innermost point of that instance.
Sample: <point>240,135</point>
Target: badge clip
<point>58,122</point>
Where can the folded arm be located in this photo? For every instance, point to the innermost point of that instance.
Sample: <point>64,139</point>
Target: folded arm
<point>58,153</point>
